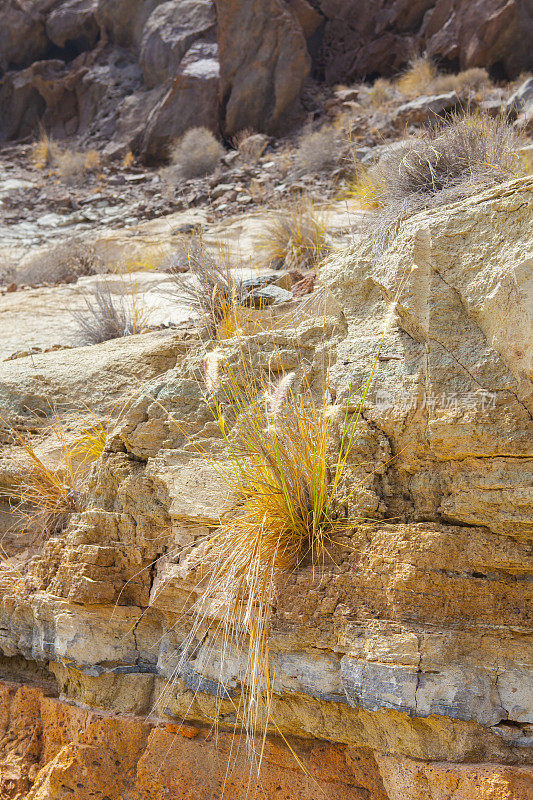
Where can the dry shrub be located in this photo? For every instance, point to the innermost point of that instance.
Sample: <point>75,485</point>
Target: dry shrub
<point>107,316</point>
<point>469,81</point>
<point>206,284</point>
<point>417,79</point>
<point>64,263</point>
<point>453,160</point>
<point>423,78</point>
<point>47,496</point>
<point>44,152</point>
<point>318,151</point>
<point>294,237</point>
<point>72,165</point>
<point>196,154</point>
<point>380,93</point>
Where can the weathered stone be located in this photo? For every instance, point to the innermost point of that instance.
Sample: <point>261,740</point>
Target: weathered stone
<point>169,32</point>
<point>264,63</point>
<point>191,101</point>
<point>426,109</point>
<point>481,33</point>
<point>74,24</point>
<point>22,33</point>
<point>520,99</point>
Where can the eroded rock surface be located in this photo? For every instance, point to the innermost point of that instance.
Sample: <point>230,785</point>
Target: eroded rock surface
<point>412,650</point>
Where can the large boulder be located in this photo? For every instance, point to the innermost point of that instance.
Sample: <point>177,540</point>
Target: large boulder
<point>190,101</point>
<point>494,34</point>
<point>122,21</point>
<point>264,63</point>
<point>73,24</point>
<point>169,32</point>
<point>22,32</point>
<point>363,37</point>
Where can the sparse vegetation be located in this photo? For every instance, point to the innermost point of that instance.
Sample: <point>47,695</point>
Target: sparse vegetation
<point>46,495</point>
<point>107,316</point>
<point>294,237</point>
<point>438,166</point>
<point>378,94</point>
<point>417,79</point>
<point>44,152</point>
<point>208,285</point>
<point>318,151</point>
<point>196,154</point>
<point>64,263</point>
<point>288,470</point>
<point>422,77</point>
<point>71,166</point>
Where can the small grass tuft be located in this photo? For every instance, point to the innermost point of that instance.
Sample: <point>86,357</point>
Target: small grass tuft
<point>318,151</point>
<point>44,152</point>
<point>294,237</point>
<point>196,154</point>
<point>47,496</point>
<point>64,263</point>
<point>417,79</point>
<point>107,316</point>
<point>207,284</point>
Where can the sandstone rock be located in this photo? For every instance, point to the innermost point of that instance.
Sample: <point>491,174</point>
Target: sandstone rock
<point>73,24</point>
<point>191,101</point>
<point>169,32</point>
<point>264,63</point>
<point>426,109</point>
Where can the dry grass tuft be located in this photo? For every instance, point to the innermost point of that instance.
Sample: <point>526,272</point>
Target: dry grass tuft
<point>196,154</point>
<point>453,160</point>
<point>107,316</point>
<point>418,77</point>
<point>47,496</point>
<point>286,466</point>
<point>380,93</point>
<point>422,78</point>
<point>44,152</point>
<point>318,151</point>
<point>207,284</point>
<point>64,263</point>
<point>295,237</point>
<point>72,165</point>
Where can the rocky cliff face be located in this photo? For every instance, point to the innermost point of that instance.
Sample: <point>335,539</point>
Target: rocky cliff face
<point>403,667</point>
<point>141,72</point>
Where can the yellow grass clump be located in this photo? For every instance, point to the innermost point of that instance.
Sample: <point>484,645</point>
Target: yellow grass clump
<point>47,494</point>
<point>286,465</point>
<point>294,237</point>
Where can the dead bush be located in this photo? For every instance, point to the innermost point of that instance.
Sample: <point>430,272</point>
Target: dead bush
<point>453,160</point>
<point>206,284</point>
<point>64,263</point>
<point>196,154</point>
<point>423,78</point>
<point>107,316</point>
<point>318,151</point>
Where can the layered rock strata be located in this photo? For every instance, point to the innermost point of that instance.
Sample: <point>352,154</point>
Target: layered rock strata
<point>410,653</point>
